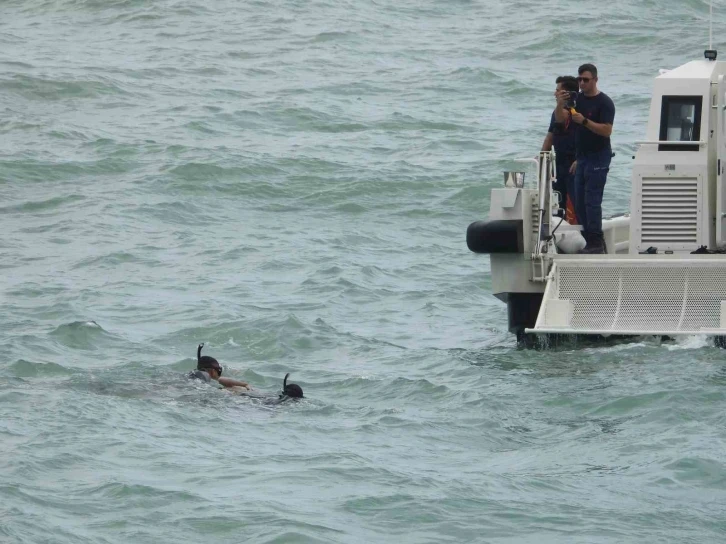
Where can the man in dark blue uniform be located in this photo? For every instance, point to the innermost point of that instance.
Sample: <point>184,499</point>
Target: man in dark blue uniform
<point>594,118</point>
<point>562,137</point>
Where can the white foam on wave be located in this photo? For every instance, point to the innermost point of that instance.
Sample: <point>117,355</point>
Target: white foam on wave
<point>617,347</point>
<point>694,341</point>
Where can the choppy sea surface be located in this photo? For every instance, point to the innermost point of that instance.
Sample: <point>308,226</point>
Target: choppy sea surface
<point>290,182</point>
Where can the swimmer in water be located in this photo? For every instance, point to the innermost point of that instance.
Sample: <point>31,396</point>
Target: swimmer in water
<point>208,369</point>
<point>289,391</point>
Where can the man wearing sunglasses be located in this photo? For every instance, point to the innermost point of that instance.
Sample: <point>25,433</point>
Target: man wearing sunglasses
<point>208,369</point>
<point>594,117</point>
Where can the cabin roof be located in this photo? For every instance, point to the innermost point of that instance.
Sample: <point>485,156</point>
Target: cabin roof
<point>696,69</point>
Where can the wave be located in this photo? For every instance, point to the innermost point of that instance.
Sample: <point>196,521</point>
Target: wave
<point>50,204</point>
<point>114,260</point>
<point>85,335</point>
<point>46,89</point>
<point>26,369</point>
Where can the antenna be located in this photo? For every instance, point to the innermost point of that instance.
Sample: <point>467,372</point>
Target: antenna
<point>710,53</point>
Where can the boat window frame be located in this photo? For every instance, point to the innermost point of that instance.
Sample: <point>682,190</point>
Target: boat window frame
<point>678,145</point>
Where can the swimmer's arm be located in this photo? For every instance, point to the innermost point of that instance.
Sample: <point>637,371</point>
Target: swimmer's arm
<point>229,382</point>
<point>240,390</point>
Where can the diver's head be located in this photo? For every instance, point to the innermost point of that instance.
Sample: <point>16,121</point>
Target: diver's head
<point>208,364</point>
<point>291,390</point>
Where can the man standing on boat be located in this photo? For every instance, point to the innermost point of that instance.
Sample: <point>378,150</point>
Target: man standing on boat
<point>562,137</point>
<point>594,117</point>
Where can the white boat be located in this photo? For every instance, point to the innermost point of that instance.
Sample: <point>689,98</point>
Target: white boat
<point>664,272</point>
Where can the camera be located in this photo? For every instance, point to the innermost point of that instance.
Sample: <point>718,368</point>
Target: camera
<point>571,101</point>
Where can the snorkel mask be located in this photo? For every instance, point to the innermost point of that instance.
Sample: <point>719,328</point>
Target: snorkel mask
<point>206,362</point>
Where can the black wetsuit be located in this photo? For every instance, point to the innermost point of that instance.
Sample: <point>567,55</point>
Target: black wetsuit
<point>199,375</point>
<point>265,398</point>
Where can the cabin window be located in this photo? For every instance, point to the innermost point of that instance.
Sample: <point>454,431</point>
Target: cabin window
<point>680,121</point>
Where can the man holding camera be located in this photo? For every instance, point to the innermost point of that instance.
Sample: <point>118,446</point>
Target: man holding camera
<point>594,116</point>
<point>562,137</point>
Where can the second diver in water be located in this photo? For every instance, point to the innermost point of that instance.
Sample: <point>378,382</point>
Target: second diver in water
<point>289,391</point>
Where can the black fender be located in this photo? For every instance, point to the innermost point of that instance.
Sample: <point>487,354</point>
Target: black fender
<point>501,236</point>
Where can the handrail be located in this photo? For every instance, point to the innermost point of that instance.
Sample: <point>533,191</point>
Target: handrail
<point>545,175</point>
<point>669,142</point>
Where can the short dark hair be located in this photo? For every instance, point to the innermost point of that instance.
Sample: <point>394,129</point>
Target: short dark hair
<point>569,83</point>
<point>205,361</point>
<point>588,68</point>
<point>292,390</point>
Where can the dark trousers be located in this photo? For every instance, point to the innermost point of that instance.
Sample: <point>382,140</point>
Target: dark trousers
<point>590,177</point>
<point>565,184</point>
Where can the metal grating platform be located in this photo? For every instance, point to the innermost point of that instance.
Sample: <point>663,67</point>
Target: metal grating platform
<point>635,296</point>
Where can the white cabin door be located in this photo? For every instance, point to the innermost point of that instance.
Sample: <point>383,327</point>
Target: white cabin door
<point>721,164</point>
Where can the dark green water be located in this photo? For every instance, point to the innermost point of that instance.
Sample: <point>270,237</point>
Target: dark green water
<point>291,182</point>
